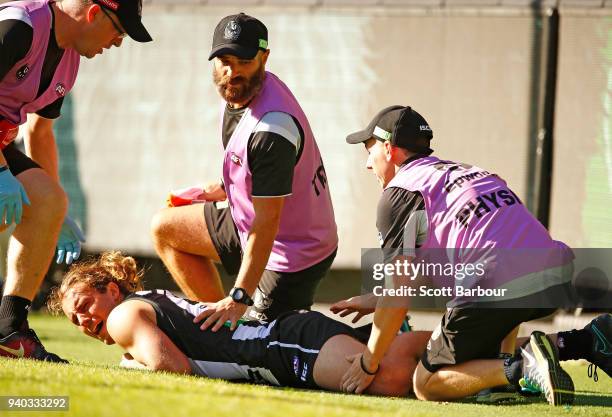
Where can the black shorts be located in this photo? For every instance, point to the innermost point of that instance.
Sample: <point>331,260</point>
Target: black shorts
<point>17,161</point>
<point>476,332</point>
<point>224,235</point>
<point>277,292</point>
<point>294,344</point>
<point>466,334</point>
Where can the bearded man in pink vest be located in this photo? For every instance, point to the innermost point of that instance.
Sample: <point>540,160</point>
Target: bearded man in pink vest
<point>437,206</point>
<point>270,219</point>
<point>41,42</point>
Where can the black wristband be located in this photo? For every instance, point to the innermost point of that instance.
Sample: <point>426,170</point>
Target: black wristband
<point>363,368</point>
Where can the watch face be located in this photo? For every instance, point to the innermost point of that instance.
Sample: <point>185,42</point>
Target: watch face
<point>238,294</point>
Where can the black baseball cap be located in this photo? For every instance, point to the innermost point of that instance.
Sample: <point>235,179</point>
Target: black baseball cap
<point>129,13</point>
<point>402,126</point>
<point>240,35</point>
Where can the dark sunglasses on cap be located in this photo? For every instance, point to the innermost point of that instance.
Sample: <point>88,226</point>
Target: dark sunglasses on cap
<point>122,34</point>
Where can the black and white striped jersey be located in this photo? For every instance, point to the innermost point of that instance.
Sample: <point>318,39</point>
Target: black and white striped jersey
<point>282,352</point>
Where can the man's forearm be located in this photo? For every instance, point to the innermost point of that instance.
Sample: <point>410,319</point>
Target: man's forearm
<point>387,322</point>
<point>40,146</point>
<point>388,317</point>
<point>257,252</point>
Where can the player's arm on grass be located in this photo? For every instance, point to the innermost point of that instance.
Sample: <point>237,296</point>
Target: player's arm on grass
<point>133,326</point>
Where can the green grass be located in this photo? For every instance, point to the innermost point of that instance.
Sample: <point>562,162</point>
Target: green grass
<point>97,387</point>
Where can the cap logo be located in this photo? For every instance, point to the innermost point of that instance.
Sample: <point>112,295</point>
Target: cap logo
<point>232,31</point>
<point>425,127</point>
<point>381,133</point>
<point>110,3</point>
<point>263,44</point>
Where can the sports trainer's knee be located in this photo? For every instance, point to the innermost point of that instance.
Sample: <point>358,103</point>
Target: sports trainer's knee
<point>159,227</point>
<point>48,203</point>
<point>421,392</point>
<point>419,383</point>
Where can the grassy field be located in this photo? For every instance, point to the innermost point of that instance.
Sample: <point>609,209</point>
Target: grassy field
<point>97,387</point>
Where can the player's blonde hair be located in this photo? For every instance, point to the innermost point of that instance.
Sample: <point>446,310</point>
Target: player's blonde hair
<point>97,273</point>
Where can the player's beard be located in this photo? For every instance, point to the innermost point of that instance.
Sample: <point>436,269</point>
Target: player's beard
<point>242,89</point>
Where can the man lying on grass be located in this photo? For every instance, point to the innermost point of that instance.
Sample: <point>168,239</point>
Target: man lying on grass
<point>299,349</point>
<point>303,349</point>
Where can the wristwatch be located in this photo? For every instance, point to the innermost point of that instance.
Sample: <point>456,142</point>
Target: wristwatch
<point>240,295</point>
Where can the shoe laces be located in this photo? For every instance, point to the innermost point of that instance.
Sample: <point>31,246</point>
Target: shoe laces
<point>592,372</point>
<point>34,336</point>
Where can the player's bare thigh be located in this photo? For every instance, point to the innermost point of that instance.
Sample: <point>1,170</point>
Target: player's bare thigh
<point>394,377</point>
<point>184,229</point>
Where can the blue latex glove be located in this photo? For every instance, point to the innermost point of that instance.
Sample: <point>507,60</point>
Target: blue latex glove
<point>69,242</point>
<point>12,197</point>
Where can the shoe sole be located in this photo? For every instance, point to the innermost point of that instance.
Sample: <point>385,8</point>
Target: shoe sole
<point>498,397</point>
<point>562,392</point>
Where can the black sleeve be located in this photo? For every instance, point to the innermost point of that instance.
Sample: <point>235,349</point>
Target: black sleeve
<point>53,110</point>
<point>15,41</point>
<point>272,159</point>
<point>394,209</point>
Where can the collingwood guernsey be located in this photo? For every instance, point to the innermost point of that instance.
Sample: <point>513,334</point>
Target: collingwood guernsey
<point>282,352</point>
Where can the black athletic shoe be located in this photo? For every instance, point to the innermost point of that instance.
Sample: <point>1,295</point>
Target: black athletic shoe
<point>541,369</point>
<point>601,351</point>
<point>25,344</point>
